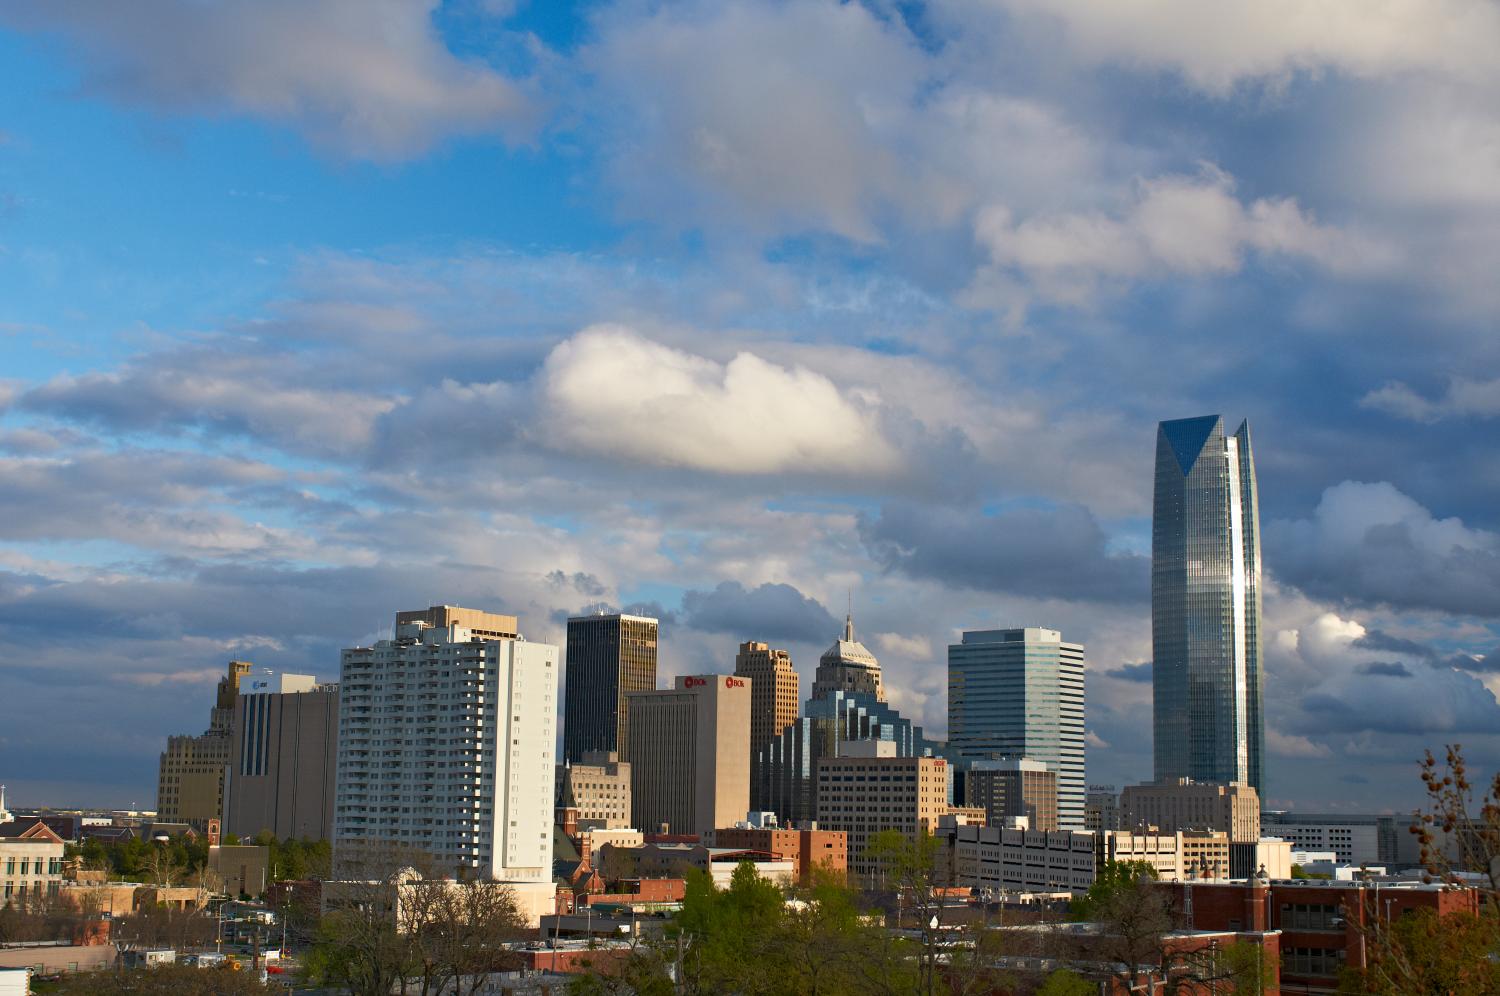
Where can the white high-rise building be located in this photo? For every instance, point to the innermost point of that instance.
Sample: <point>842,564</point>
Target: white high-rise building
<point>1020,693</point>
<point>446,745</point>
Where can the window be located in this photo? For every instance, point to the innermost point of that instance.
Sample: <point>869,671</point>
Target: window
<point>1325,962</point>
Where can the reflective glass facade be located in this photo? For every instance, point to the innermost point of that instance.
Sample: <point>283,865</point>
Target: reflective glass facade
<point>608,658</point>
<point>1205,605</point>
<point>1015,693</point>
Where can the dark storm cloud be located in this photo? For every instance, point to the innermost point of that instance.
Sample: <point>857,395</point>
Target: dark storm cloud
<point>1388,669</point>
<point>1447,701</point>
<point>1380,640</point>
<point>1477,663</point>
<point>771,612</point>
<point>1057,552</point>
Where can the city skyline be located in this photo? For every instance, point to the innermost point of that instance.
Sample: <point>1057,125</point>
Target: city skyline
<point>716,312</point>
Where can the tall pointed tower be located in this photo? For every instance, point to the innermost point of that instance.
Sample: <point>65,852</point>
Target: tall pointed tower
<point>848,667</point>
<point>1205,605</point>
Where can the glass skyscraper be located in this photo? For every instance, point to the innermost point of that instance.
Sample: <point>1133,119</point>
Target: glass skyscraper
<point>1018,693</point>
<point>1205,605</point>
<point>608,658</point>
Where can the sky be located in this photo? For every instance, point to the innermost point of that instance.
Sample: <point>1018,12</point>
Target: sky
<point>740,313</point>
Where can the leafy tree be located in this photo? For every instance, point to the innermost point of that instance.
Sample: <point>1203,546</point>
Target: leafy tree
<point>1064,982</point>
<point>1114,880</point>
<point>1423,953</point>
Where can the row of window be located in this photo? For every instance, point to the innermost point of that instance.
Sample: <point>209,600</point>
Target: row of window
<point>53,866</point>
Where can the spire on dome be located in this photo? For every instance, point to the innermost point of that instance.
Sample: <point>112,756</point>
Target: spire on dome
<point>849,628</point>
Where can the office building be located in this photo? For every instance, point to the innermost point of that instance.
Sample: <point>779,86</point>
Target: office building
<point>690,754</point>
<point>609,656</point>
<point>1020,693</point>
<point>598,788</point>
<point>283,756</point>
<point>774,688</point>
<point>446,741</point>
<point>1205,606</point>
<point>996,860</point>
<point>190,778</point>
<point>1355,839</point>
<point>1101,808</point>
<point>1012,789</point>
<point>31,857</point>
<point>809,850</point>
<point>1183,804</point>
<point>848,667</point>
<point>1193,854</point>
<point>866,789</point>
<point>789,762</point>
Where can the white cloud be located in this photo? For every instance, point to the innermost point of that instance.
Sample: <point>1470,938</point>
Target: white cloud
<point>1372,544</point>
<point>1176,224</point>
<point>368,78</point>
<point>918,648</point>
<point>1290,745</point>
<point>1464,397</point>
<point>1216,46</point>
<point>608,391</point>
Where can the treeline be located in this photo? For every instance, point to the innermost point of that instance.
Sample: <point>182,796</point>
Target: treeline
<point>183,858</point>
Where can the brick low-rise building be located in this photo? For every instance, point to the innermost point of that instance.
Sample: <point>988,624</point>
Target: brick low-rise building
<point>806,849</point>
<point>1324,926</point>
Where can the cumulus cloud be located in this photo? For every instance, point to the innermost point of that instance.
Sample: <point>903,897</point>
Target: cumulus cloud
<point>609,392</point>
<point>1372,544</point>
<point>1178,224</point>
<point>769,612</point>
<point>1054,553</point>
<point>1217,46</point>
<point>366,78</point>
<point>1344,686</point>
<point>1464,398</point>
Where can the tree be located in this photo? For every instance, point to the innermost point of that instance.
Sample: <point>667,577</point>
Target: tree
<point>1420,952</point>
<point>1471,832</point>
<point>166,980</point>
<point>1423,953</point>
<point>1064,982</point>
<point>1134,916</point>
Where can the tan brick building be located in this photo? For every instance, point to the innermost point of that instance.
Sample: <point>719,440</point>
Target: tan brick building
<point>862,793</point>
<point>806,849</point>
<point>598,787</point>
<point>1187,805</point>
<point>775,692</point>
<point>190,779</point>
<point>690,754</point>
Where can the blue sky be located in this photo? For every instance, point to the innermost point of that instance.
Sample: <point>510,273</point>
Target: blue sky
<point>312,311</point>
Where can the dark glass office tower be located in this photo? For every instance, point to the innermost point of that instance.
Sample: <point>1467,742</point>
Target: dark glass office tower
<point>1205,605</point>
<point>608,656</point>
